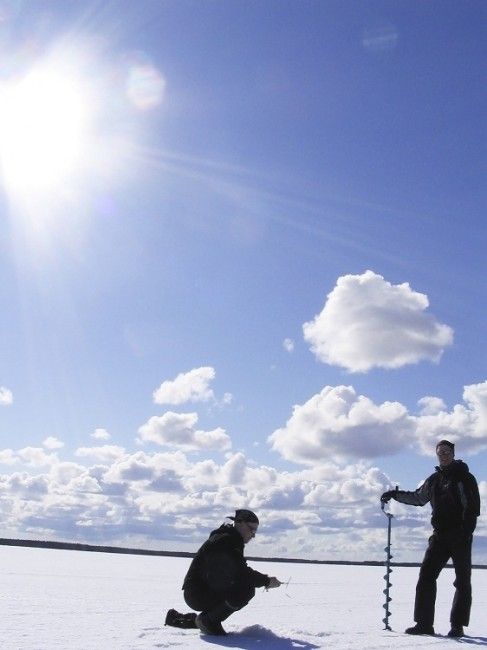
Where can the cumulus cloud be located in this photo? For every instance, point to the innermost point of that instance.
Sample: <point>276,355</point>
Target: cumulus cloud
<point>192,386</point>
<point>368,322</point>
<point>466,423</point>
<point>113,496</point>
<point>101,434</point>
<point>36,456</point>
<point>226,399</point>
<point>52,443</point>
<point>6,396</point>
<point>338,423</point>
<point>341,425</point>
<point>25,485</point>
<point>431,405</point>
<point>64,472</point>
<point>103,453</point>
<point>288,345</point>
<point>138,498</point>
<point>233,472</point>
<point>179,430</point>
<point>352,486</point>
<point>8,457</point>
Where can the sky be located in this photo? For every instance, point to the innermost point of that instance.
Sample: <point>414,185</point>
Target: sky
<point>90,600</point>
<point>242,262</point>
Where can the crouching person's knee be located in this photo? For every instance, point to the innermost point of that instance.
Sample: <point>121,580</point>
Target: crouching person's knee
<point>240,597</point>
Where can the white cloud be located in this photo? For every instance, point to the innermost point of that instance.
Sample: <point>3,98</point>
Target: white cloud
<point>233,471</point>
<point>192,386</point>
<point>137,498</point>
<point>355,484</point>
<point>101,434</point>
<point>36,456</point>
<point>52,443</point>
<point>380,38</point>
<point>64,472</point>
<point>338,423</point>
<point>25,485</point>
<point>367,322</point>
<point>226,399</point>
<point>8,457</point>
<point>465,423</point>
<point>288,345</point>
<point>103,453</point>
<point>111,496</point>
<point>178,430</point>
<point>6,396</point>
<point>431,405</point>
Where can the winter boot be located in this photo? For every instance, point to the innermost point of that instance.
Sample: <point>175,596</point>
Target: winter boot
<point>210,622</point>
<point>456,632</point>
<point>207,626</point>
<point>419,628</point>
<point>176,619</point>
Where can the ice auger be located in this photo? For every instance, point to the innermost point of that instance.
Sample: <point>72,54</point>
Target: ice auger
<point>387,549</point>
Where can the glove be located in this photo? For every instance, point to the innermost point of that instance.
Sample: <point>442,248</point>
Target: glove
<point>387,496</point>
<point>273,583</point>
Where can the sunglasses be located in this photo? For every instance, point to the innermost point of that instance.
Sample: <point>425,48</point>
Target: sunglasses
<point>252,527</point>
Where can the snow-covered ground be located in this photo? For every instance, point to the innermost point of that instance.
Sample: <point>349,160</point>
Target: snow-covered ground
<point>53,599</point>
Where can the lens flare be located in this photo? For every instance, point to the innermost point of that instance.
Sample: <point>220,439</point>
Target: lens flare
<point>145,86</point>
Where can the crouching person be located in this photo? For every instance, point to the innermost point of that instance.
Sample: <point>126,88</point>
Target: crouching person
<point>218,581</point>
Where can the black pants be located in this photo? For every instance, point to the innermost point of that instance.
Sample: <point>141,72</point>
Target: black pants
<point>443,546</point>
<point>202,598</point>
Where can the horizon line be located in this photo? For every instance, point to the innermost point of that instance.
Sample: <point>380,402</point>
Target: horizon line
<point>98,548</point>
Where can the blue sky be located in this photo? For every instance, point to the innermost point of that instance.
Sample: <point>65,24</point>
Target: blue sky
<point>243,264</point>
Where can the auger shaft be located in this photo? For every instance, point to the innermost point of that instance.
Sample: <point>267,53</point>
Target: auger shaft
<point>387,549</point>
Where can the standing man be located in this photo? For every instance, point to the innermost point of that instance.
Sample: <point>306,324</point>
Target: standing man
<point>455,502</point>
<point>218,581</point>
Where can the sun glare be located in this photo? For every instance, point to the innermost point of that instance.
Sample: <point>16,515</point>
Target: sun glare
<point>42,121</point>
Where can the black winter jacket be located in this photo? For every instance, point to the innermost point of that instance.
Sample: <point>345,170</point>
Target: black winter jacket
<point>220,564</point>
<point>454,497</point>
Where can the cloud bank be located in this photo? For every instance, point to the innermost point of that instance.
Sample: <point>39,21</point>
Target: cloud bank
<point>341,425</point>
<point>111,495</point>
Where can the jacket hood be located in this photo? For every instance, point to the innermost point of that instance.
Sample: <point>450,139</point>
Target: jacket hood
<point>224,528</point>
<point>455,468</point>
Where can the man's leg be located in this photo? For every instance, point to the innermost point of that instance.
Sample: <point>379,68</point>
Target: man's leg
<point>196,599</point>
<point>200,597</point>
<point>462,562</point>
<point>210,619</point>
<point>207,602</point>
<point>435,558</point>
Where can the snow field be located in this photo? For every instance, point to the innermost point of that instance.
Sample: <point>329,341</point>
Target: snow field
<point>60,600</point>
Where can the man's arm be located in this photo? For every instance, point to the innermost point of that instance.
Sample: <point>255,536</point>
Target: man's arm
<point>418,497</point>
<point>472,510</point>
<point>224,569</point>
<point>258,579</point>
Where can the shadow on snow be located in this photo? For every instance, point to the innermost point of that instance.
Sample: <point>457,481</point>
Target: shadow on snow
<point>256,637</point>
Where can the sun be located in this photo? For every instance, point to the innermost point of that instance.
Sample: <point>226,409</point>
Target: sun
<point>43,121</point>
